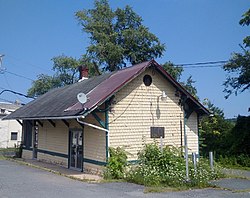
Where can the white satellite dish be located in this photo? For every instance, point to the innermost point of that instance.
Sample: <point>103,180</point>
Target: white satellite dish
<point>82,98</point>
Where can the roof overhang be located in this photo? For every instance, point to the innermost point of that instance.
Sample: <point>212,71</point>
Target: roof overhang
<point>46,118</point>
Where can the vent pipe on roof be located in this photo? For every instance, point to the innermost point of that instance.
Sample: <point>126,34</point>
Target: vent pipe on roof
<point>83,73</point>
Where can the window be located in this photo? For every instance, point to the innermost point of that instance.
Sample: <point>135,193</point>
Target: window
<point>157,132</point>
<point>13,136</point>
<point>147,79</point>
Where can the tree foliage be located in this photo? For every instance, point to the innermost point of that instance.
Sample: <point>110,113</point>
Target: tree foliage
<point>189,86</point>
<point>239,65</point>
<point>117,37</point>
<point>66,69</point>
<point>42,85</point>
<point>240,136</point>
<point>215,131</point>
<point>66,72</point>
<point>176,72</point>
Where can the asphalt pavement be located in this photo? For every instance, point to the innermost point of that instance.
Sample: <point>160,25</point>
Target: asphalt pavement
<point>23,181</point>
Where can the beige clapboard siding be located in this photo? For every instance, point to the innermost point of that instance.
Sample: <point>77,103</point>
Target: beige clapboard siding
<point>94,140</point>
<point>192,133</point>
<point>138,107</point>
<point>53,138</point>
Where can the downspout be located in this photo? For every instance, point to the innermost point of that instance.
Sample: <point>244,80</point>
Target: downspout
<point>91,125</point>
<point>198,133</point>
<point>181,133</point>
<point>106,129</point>
<point>185,115</point>
<point>185,145</point>
<point>107,132</point>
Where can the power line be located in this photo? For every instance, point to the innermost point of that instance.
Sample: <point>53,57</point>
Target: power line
<point>209,64</point>
<point>17,93</point>
<point>28,63</point>
<point>202,66</point>
<point>18,75</point>
<point>202,63</point>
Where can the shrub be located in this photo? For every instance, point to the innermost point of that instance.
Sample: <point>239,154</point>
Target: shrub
<point>168,168</point>
<point>159,168</point>
<point>117,163</point>
<point>203,173</point>
<point>241,160</point>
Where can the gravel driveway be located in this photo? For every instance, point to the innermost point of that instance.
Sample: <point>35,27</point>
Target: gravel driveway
<point>22,181</point>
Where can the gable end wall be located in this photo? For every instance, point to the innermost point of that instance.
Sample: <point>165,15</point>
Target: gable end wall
<point>137,107</point>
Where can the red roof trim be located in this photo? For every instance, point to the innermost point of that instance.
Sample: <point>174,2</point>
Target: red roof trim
<point>179,86</point>
<point>110,86</point>
<point>121,78</point>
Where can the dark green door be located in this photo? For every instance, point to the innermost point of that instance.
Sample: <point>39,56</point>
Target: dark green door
<point>76,149</point>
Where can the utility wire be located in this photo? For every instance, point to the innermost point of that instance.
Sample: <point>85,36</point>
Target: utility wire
<point>18,75</point>
<point>202,63</point>
<point>28,63</point>
<point>202,66</point>
<point>14,92</point>
<point>209,64</point>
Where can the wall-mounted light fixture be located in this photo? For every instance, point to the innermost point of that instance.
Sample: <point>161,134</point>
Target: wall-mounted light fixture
<point>164,96</point>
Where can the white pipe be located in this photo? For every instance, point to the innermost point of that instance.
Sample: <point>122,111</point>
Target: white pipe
<point>92,125</point>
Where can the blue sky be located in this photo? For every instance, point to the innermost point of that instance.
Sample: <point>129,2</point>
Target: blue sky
<point>34,31</point>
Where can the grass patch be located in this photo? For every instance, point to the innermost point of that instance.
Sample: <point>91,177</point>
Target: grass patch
<point>7,149</point>
<point>241,162</point>
<point>236,176</point>
<point>242,191</point>
<point>2,157</point>
<point>112,180</point>
<point>162,189</point>
<point>11,152</point>
<point>237,167</point>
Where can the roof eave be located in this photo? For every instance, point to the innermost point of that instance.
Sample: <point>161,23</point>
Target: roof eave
<point>45,118</point>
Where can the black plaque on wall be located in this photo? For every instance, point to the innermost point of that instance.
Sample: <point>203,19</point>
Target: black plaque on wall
<point>157,132</point>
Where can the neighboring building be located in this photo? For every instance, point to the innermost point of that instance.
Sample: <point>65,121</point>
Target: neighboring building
<point>125,108</point>
<point>10,130</point>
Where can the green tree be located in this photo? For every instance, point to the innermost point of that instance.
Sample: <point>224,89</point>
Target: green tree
<point>174,71</point>
<point>189,86</point>
<point>66,69</point>
<point>240,136</point>
<point>117,37</point>
<point>42,85</point>
<point>238,66</point>
<point>66,72</point>
<point>215,131</point>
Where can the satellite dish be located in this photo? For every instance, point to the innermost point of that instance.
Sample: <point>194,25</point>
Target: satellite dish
<point>82,98</point>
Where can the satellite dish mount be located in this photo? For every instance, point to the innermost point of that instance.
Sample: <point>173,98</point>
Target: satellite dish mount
<point>82,98</point>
